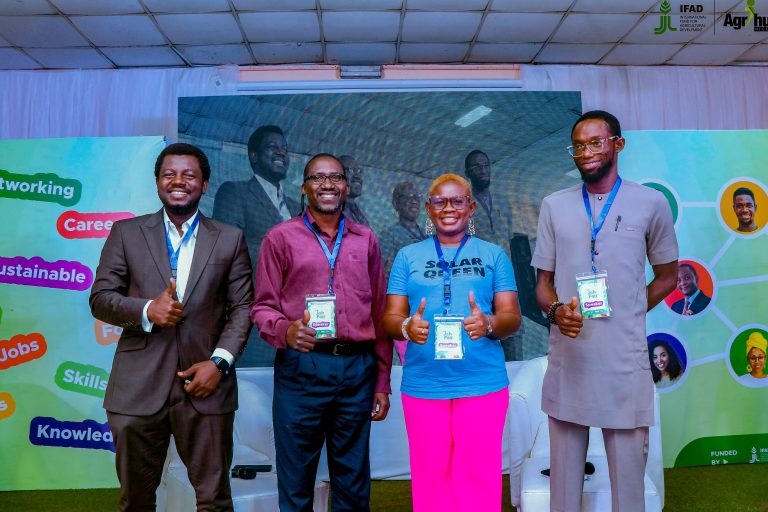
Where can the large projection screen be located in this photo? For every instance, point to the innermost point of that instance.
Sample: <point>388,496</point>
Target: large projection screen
<point>395,137</point>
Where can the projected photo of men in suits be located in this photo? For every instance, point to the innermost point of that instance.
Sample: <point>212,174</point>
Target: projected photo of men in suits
<point>261,143</point>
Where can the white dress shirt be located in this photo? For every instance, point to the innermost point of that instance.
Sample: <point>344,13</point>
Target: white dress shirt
<point>276,196</point>
<point>186,252</point>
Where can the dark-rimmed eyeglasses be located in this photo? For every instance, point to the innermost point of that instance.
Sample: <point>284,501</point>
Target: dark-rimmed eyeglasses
<point>595,147</point>
<point>458,202</point>
<point>319,179</point>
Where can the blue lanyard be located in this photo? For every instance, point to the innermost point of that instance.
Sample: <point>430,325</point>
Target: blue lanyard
<point>331,257</point>
<point>173,256</point>
<point>595,228</point>
<point>447,270</point>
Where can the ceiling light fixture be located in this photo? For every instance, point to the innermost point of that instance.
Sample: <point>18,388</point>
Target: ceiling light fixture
<point>473,115</point>
<point>360,72</point>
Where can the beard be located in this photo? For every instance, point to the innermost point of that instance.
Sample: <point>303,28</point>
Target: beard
<point>601,173</point>
<point>480,182</point>
<point>328,209</point>
<point>182,209</point>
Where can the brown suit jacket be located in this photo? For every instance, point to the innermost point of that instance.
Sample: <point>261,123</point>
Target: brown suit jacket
<point>133,269</point>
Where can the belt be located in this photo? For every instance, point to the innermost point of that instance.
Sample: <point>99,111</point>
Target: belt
<point>343,348</point>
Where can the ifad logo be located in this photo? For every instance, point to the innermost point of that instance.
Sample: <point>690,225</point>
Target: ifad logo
<point>82,378</point>
<point>66,275</point>
<point>72,224</point>
<point>106,334</point>
<point>7,405</point>
<point>665,20</point>
<point>46,187</point>
<point>21,349</point>
<point>45,431</point>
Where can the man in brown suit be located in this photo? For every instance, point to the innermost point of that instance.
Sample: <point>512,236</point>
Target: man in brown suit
<point>180,286</point>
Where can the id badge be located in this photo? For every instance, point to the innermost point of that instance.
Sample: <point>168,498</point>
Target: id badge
<point>448,337</point>
<point>322,315</point>
<point>593,294</point>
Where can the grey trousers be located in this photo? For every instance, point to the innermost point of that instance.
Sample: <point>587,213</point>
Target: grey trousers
<point>627,451</point>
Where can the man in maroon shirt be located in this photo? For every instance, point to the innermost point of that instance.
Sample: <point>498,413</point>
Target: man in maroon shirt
<point>329,385</point>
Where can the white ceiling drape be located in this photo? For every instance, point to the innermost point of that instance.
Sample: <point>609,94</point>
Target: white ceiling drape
<point>112,103</point>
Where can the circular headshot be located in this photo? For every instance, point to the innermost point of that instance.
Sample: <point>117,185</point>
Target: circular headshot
<point>747,353</point>
<point>694,291</point>
<point>668,359</point>
<point>744,206</point>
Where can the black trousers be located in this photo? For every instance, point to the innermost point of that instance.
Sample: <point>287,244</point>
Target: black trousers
<point>322,397</point>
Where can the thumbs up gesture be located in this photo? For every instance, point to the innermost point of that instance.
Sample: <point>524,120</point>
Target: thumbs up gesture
<point>300,336</point>
<point>165,310</point>
<point>569,319</point>
<point>476,324</point>
<point>418,328</point>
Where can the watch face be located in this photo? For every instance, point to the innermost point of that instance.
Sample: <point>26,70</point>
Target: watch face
<point>221,364</point>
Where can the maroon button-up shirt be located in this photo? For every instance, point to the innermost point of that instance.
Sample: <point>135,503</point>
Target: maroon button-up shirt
<point>292,265</point>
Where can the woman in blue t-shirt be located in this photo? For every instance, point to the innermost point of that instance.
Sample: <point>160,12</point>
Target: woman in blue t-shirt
<point>453,296</point>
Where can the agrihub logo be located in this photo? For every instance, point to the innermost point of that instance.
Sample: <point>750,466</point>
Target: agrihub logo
<point>21,349</point>
<point>751,18</point>
<point>72,224</point>
<point>45,431</point>
<point>46,187</point>
<point>66,275</point>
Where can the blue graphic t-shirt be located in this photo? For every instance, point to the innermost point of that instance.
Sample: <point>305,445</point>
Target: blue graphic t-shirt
<point>481,267</point>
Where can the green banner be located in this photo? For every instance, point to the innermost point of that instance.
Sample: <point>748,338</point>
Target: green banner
<point>707,340</point>
<point>58,200</point>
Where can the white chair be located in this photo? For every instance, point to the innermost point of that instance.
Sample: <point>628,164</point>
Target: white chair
<point>254,443</point>
<point>529,451</point>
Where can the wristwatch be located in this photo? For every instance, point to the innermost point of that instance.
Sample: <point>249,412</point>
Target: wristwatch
<point>221,364</point>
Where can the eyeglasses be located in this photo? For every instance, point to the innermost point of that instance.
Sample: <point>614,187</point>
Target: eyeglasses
<point>595,146</point>
<point>319,179</point>
<point>440,202</point>
<point>756,358</point>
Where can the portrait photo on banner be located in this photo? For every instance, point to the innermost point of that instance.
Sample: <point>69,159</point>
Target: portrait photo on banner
<point>392,145</point>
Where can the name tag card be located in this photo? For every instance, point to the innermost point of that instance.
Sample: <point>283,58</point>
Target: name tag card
<point>448,337</point>
<point>593,294</point>
<point>322,315</point>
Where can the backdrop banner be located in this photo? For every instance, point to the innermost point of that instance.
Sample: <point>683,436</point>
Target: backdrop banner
<point>707,340</point>
<point>58,200</point>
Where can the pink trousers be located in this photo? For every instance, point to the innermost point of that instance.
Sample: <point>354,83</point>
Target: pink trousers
<point>455,447</point>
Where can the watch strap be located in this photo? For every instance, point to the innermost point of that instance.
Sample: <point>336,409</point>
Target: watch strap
<point>221,364</point>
